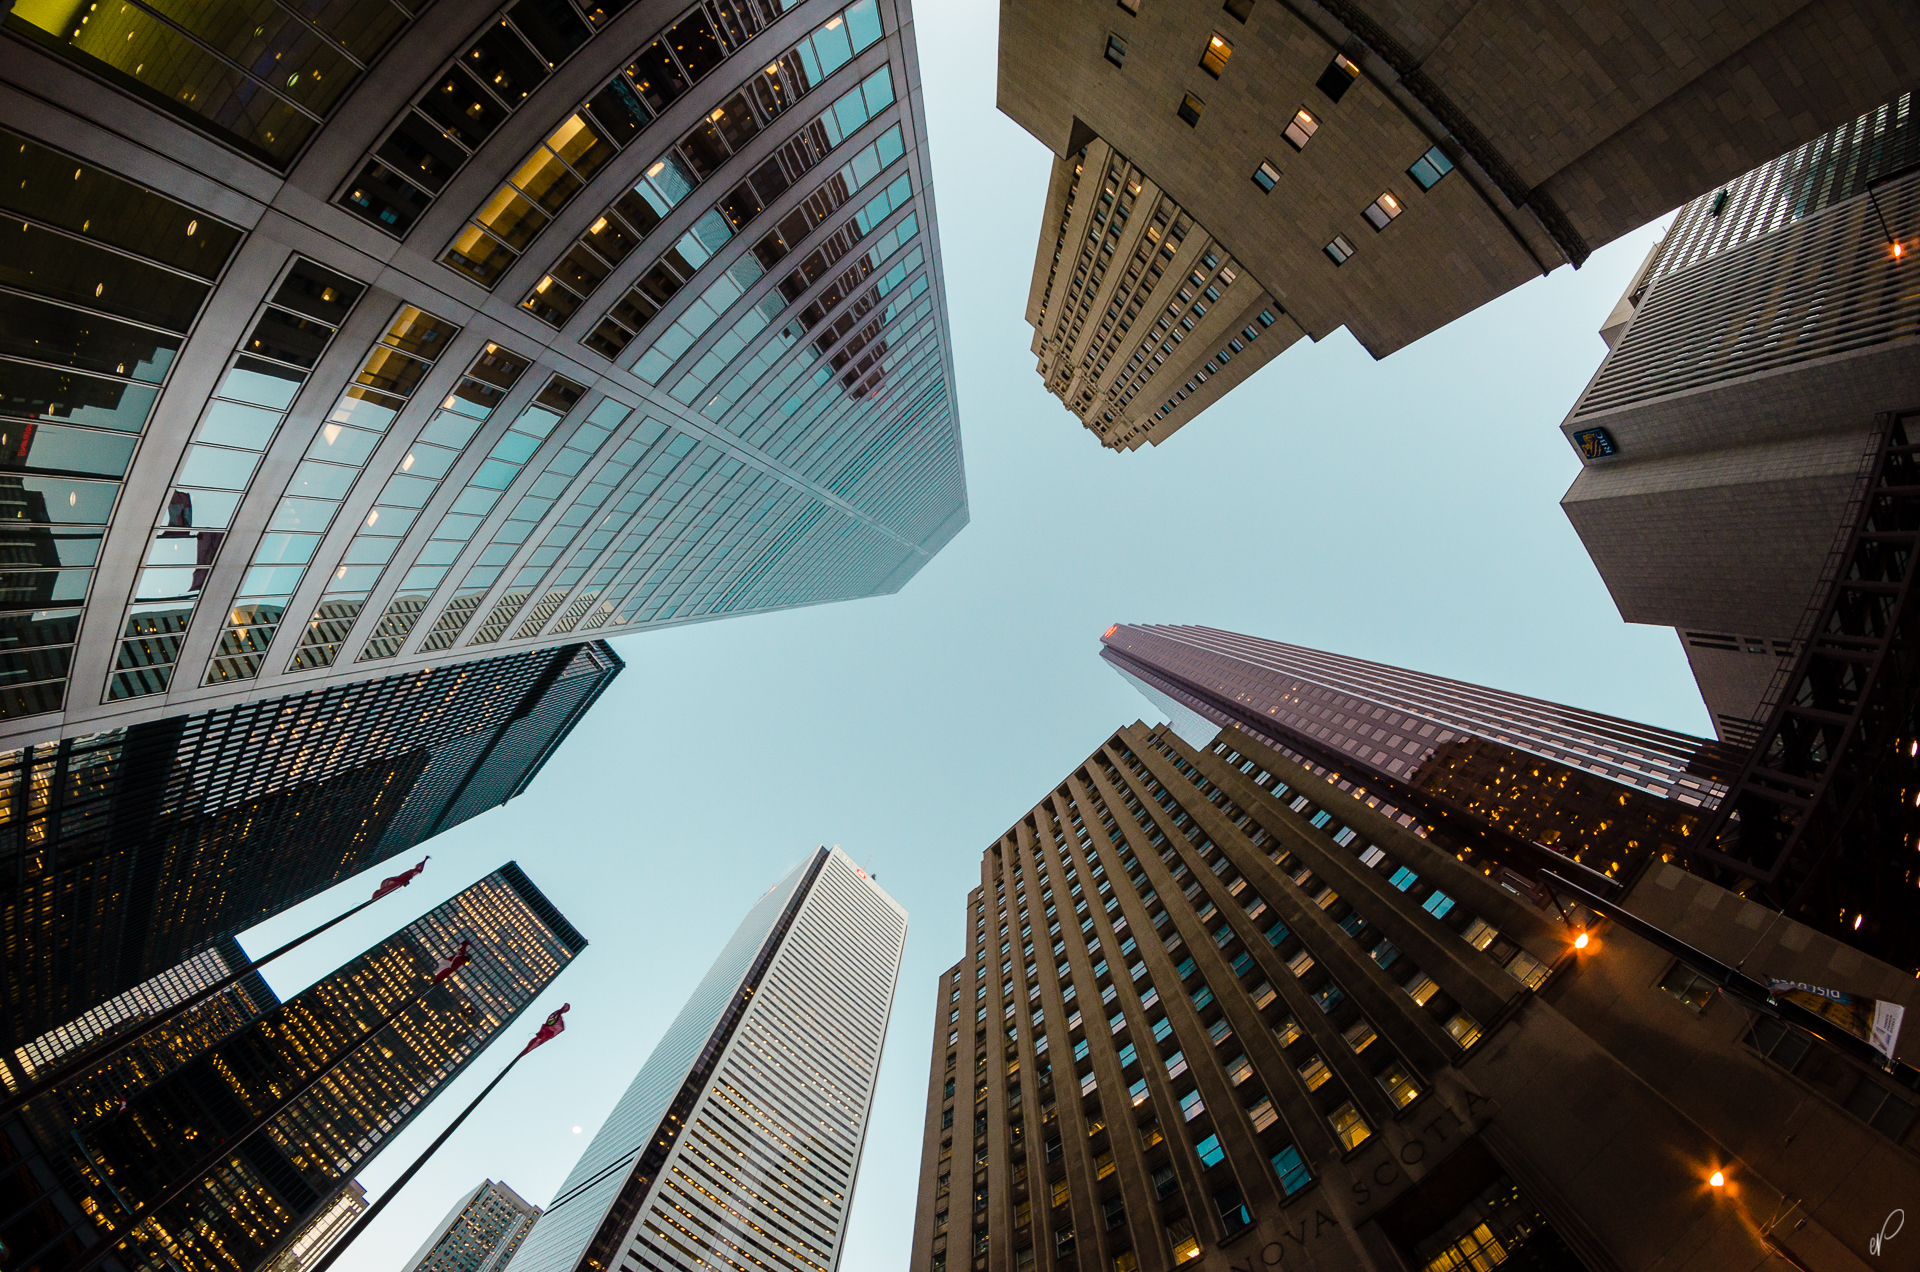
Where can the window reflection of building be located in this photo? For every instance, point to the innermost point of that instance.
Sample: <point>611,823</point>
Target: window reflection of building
<point>97,292</point>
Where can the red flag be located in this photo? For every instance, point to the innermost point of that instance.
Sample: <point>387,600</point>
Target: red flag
<point>393,883</point>
<point>550,1030</point>
<point>448,966</point>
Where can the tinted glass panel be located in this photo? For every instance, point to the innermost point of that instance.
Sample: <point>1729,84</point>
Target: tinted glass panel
<point>656,77</point>
<point>287,337</point>
<point>64,268</point>
<point>418,149</point>
<point>552,25</point>
<point>51,447</point>
<point>86,342</point>
<point>502,61</point>
<point>32,393</point>
<point>460,106</point>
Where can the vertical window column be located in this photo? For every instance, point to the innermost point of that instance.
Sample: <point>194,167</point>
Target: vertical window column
<point>391,372</point>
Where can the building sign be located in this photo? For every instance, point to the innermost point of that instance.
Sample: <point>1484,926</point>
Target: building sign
<point>1873,1019</point>
<point>1594,443</point>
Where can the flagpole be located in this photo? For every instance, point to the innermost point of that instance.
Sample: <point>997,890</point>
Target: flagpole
<point>87,1061</point>
<point>373,1212</point>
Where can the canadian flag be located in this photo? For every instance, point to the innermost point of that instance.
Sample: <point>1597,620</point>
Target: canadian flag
<point>393,883</point>
<point>550,1030</point>
<point>448,966</point>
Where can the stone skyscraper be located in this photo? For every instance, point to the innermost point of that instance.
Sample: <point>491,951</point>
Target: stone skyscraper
<point>1215,1010</point>
<point>1230,178</point>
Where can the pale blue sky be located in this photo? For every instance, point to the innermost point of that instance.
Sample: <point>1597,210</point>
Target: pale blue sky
<point>1405,511</point>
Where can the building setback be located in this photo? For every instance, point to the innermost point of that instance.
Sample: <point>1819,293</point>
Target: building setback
<point>81,1160</point>
<point>133,849</point>
<point>1217,1011</point>
<point>480,1234</point>
<point>1487,773</point>
<point>739,1141</point>
<point>1380,167</point>
<point>312,1242</point>
<point>452,337</point>
<point>1726,436</point>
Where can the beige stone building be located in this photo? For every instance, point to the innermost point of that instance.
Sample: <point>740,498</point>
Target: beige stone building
<point>1386,167</point>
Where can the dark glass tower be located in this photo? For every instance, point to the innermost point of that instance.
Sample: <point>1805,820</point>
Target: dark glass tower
<point>1490,773</point>
<point>81,1161</point>
<point>127,852</point>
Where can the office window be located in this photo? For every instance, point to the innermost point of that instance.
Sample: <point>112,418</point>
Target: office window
<point>1262,1114</point>
<point>1339,251</point>
<point>1186,1247</point>
<point>1301,127</point>
<point>1348,1126</point>
<point>1191,1105</point>
<point>1232,1208</point>
<point>1240,10</point>
<point>1214,59</point>
<point>1437,904</point>
<point>1291,1169</point>
<point>1782,1044</point>
<point>1398,1084</point>
<point>1315,1073</point>
<point>1116,50</point>
<point>1421,988</point>
<point>1163,1183</point>
<point>1429,168</point>
<point>1337,78</point>
<point>1689,986</point>
<point>1464,1029</point>
<point>1211,1154</point>
<point>1266,176</point>
<point>1381,211</point>
<point>1404,878</point>
<point>1359,1035</point>
<point>1190,108</point>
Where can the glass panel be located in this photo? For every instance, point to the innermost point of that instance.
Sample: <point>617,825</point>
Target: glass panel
<point>86,342</point>
<point>287,337</point>
<point>656,77</point>
<point>142,53</point>
<point>51,187</point>
<point>546,181</point>
<point>460,106</point>
<point>62,268</point>
<point>501,60</point>
<point>61,449</point>
<point>421,151</point>
<point>44,393</point>
<point>380,196</point>
<point>582,147</point>
<point>230,424</point>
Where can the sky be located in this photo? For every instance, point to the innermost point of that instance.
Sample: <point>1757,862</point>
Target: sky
<point>1404,511</point>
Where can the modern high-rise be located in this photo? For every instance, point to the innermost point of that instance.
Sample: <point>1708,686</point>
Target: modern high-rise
<point>1726,439</point>
<point>1383,167</point>
<point>1216,1011</point>
<point>348,342</point>
<point>322,1232</point>
<point>739,1141</point>
<point>1489,772</point>
<point>480,1234</point>
<point>131,850</point>
<point>97,1161</point>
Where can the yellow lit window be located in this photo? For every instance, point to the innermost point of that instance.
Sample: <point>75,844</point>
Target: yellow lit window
<point>1348,1126</point>
<point>1465,1029</point>
<point>1400,1087</point>
<point>1059,1192</point>
<point>1214,60</point>
<point>1103,1165</point>
<point>1315,1073</point>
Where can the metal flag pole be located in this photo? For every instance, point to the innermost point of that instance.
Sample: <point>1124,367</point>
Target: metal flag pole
<point>546,1032</point>
<point>200,1169</point>
<point>87,1061</point>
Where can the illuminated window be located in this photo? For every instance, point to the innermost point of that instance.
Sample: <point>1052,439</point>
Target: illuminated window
<point>1400,1087</point>
<point>1301,127</point>
<point>1315,1073</point>
<point>1381,211</point>
<point>1338,77</point>
<point>1348,1126</point>
<point>1266,176</point>
<point>1214,59</point>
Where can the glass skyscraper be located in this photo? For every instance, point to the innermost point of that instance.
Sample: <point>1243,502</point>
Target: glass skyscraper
<point>130,850</point>
<point>446,338</point>
<point>738,1142</point>
<point>1491,772</point>
<point>97,1159</point>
